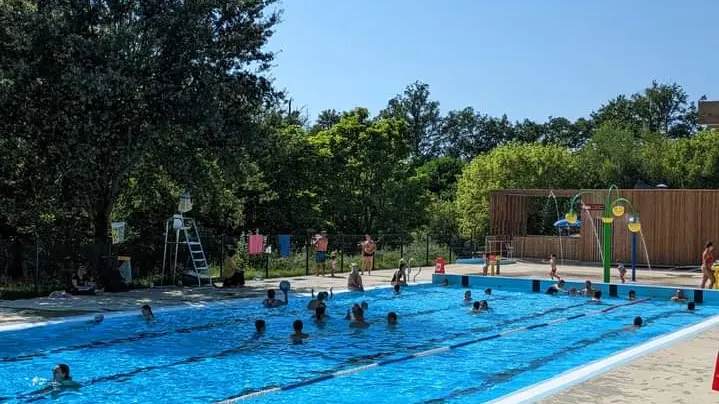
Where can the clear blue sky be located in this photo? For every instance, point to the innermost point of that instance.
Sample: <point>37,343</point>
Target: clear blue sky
<point>528,58</point>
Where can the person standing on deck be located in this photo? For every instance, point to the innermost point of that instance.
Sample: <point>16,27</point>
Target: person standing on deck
<point>553,267</point>
<point>368,249</point>
<point>707,262</point>
<point>320,243</point>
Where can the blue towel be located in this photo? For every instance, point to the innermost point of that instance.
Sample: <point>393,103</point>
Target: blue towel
<point>284,242</point>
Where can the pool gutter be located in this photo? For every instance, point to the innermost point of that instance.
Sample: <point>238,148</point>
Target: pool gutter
<point>539,391</point>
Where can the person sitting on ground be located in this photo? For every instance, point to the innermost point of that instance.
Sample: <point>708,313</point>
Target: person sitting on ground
<point>298,337</point>
<point>554,289</point>
<point>396,289</point>
<point>691,306</point>
<point>467,297</point>
<point>588,291</point>
<point>445,282</point>
<point>146,312</point>
<point>270,301</point>
<point>82,283</point>
<point>597,296</point>
<point>392,318</point>
<point>234,276</point>
<point>679,296</point>
<point>320,317</point>
<point>320,300</point>
<point>488,291</point>
<point>400,276</point>
<point>632,295</point>
<point>354,280</point>
<point>358,321</point>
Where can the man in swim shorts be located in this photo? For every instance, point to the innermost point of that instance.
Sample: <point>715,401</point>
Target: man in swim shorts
<point>320,243</point>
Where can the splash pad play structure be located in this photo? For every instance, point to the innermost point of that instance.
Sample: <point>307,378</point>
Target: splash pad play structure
<point>605,226</point>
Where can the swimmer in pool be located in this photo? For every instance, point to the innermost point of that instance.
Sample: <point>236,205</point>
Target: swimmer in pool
<point>480,306</point>
<point>319,301</point>
<point>488,291</point>
<point>679,296</point>
<point>270,301</point>
<point>350,313</point>
<point>298,337</point>
<point>638,323</point>
<point>260,327</point>
<point>99,318</point>
<point>358,321</point>
<point>468,297</point>
<point>597,296</point>
<point>632,295</point>
<point>61,380</point>
<point>320,317</point>
<point>396,289</point>
<point>588,291</point>
<point>554,289</point>
<point>691,306</point>
<point>392,318</point>
<point>146,311</point>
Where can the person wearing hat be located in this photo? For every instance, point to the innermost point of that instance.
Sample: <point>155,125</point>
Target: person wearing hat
<point>354,280</point>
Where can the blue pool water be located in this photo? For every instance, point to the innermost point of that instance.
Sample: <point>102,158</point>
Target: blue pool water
<point>207,355</point>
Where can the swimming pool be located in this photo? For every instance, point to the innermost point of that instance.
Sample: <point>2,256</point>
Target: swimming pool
<point>207,355</point>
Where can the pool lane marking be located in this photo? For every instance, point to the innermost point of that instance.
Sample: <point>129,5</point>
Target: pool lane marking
<point>232,400</point>
<point>508,374</point>
<point>250,344</point>
<point>539,391</point>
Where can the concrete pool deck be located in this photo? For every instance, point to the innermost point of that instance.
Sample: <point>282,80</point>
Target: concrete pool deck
<point>680,373</point>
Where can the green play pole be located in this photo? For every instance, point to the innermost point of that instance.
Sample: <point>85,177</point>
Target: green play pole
<point>607,250</point>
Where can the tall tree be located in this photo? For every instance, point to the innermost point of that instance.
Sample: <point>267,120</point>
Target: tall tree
<point>104,83</point>
<point>422,117</point>
<point>662,108</point>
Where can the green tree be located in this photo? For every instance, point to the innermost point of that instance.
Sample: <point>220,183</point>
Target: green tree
<point>367,178</point>
<point>515,165</point>
<point>421,115</point>
<point>611,157</point>
<point>465,134</point>
<point>101,85</point>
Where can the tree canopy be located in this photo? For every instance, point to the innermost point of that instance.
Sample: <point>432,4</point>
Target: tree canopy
<point>111,109</point>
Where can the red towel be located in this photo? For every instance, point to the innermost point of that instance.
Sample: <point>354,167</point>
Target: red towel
<point>256,244</point>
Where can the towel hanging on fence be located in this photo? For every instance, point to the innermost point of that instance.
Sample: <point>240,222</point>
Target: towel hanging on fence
<point>284,242</point>
<point>256,244</point>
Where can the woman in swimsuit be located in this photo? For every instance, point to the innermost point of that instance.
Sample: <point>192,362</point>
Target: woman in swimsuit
<point>707,262</point>
<point>368,249</point>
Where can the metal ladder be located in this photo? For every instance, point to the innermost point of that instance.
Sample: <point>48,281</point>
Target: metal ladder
<point>194,245</point>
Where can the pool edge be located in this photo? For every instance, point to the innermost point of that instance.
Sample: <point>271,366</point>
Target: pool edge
<point>577,375</point>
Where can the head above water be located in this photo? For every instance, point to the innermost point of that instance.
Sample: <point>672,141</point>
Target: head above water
<point>260,325</point>
<point>476,305</point>
<point>392,317</point>
<point>598,294</point>
<point>638,322</point>
<point>271,294</point>
<point>297,325</point>
<point>146,310</point>
<point>632,294</point>
<point>588,284</point>
<point>98,318</point>
<point>691,306</point>
<point>61,372</point>
<point>359,314</point>
<point>488,291</point>
<point>561,283</point>
<point>483,304</point>
<point>467,294</point>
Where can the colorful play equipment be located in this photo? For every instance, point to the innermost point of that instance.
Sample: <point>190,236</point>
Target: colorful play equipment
<point>612,208</point>
<point>439,265</point>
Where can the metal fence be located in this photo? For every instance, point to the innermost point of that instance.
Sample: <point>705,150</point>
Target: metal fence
<point>31,267</point>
